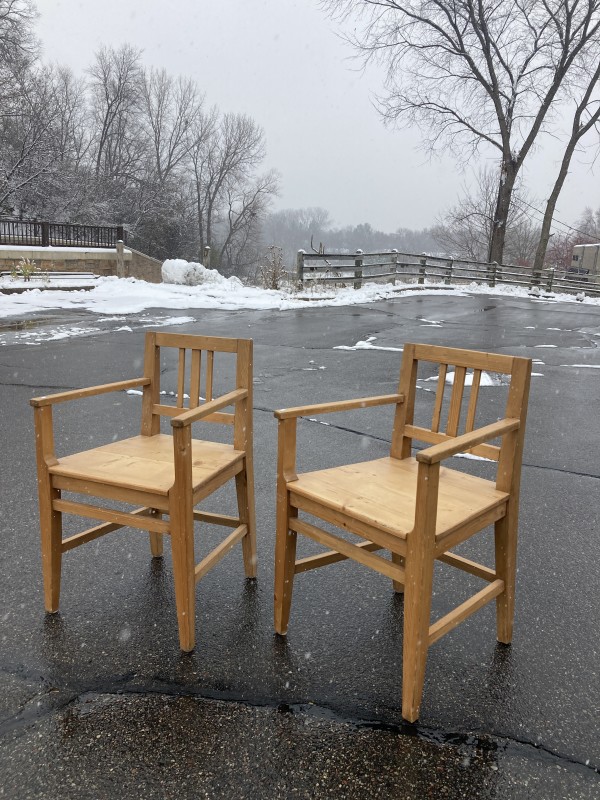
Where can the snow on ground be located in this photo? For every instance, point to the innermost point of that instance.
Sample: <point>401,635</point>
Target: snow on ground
<point>113,295</point>
<point>367,345</point>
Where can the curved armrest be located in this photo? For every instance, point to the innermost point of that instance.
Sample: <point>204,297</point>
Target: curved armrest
<point>343,405</point>
<point>458,444</point>
<point>195,414</point>
<point>76,394</point>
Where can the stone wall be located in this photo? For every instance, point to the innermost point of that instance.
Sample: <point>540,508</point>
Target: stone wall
<point>143,267</point>
<point>99,261</point>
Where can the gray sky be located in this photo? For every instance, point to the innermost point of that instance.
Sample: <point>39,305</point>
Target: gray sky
<point>281,62</point>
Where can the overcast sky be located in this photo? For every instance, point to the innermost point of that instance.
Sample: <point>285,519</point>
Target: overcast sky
<point>282,62</point>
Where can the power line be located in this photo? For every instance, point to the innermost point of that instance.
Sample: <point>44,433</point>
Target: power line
<point>554,219</point>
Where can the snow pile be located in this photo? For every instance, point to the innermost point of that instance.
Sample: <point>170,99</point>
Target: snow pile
<point>191,273</point>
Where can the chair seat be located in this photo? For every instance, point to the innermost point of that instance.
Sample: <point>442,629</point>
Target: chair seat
<point>145,463</point>
<point>382,493</point>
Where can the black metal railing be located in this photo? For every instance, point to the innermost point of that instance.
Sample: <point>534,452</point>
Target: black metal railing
<point>35,233</point>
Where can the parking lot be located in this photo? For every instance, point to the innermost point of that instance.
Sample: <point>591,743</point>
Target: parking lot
<point>98,701</point>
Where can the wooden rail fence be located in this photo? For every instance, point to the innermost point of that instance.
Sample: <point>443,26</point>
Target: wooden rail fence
<point>35,233</point>
<point>392,267</point>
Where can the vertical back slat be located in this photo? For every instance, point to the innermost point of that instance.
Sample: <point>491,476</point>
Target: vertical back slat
<point>195,378</point>
<point>456,401</point>
<point>209,374</point>
<point>439,398</point>
<point>473,400</point>
<point>181,378</point>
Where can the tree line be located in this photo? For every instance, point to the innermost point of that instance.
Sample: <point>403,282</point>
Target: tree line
<point>130,145</point>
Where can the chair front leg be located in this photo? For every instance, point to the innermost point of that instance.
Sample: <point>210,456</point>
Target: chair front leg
<point>181,512</point>
<point>285,563</point>
<point>285,541</point>
<point>417,591</point>
<point>50,519</point>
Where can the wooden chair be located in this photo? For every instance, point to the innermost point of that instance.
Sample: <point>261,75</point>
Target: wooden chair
<point>165,475</point>
<point>413,507</point>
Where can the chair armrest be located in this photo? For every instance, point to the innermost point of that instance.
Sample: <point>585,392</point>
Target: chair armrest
<point>90,391</point>
<point>342,405</point>
<point>437,452</point>
<point>195,414</point>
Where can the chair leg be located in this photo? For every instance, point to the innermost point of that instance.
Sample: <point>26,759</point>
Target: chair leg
<point>285,561</point>
<point>156,539</point>
<point>399,560</point>
<point>244,485</point>
<point>505,537</point>
<point>182,547</point>
<point>51,535</point>
<point>417,609</point>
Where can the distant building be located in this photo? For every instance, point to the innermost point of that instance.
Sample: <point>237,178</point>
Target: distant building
<point>586,259</point>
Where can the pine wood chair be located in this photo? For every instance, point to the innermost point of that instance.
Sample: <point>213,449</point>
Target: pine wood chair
<point>165,475</point>
<point>413,507</point>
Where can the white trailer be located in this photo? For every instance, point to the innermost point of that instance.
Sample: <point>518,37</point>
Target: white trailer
<point>586,259</point>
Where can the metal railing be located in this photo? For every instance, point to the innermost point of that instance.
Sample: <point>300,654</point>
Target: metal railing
<point>409,268</point>
<point>36,233</point>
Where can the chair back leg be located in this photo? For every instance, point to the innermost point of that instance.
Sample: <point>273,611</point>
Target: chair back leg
<point>156,539</point>
<point>244,485</point>
<point>399,560</point>
<point>505,539</point>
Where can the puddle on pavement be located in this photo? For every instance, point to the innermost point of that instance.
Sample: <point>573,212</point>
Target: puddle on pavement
<point>26,324</point>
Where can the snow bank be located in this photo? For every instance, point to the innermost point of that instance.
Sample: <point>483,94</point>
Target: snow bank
<point>191,273</point>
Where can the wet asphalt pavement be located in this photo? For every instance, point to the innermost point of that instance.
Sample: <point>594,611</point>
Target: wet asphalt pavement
<point>98,701</point>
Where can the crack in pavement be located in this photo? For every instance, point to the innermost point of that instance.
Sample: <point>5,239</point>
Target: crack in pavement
<point>32,711</point>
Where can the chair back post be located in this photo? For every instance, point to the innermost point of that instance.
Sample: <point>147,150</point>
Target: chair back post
<point>242,426</point>
<point>150,420</point>
<point>508,477</point>
<point>401,444</point>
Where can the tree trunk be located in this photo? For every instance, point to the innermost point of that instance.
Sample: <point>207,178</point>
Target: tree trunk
<point>540,253</point>
<point>505,190</point>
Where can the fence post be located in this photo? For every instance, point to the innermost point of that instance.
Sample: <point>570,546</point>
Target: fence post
<point>491,276</point>
<point>448,278</point>
<point>300,268</point>
<point>120,234</point>
<point>536,278</point>
<point>206,259</point>
<point>358,269</point>
<point>394,265</point>
<point>45,234</point>
<point>423,264</point>
<point>120,260</point>
<point>550,279</point>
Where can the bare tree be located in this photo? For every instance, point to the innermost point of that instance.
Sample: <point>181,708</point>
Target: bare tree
<point>247,203</point>
<point>474,74</point>
<point>17,49</point>
<point>115,87</point>
<point>586,118</point>
<point>225,152</point>
<point>170,109</point>
<point>466,228</point>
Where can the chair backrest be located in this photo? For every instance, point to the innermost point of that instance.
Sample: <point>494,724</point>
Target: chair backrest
<point>466,368</point>
<point>190,371</point>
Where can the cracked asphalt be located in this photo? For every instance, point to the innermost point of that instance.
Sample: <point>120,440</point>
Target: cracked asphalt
<point>98,701</point>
